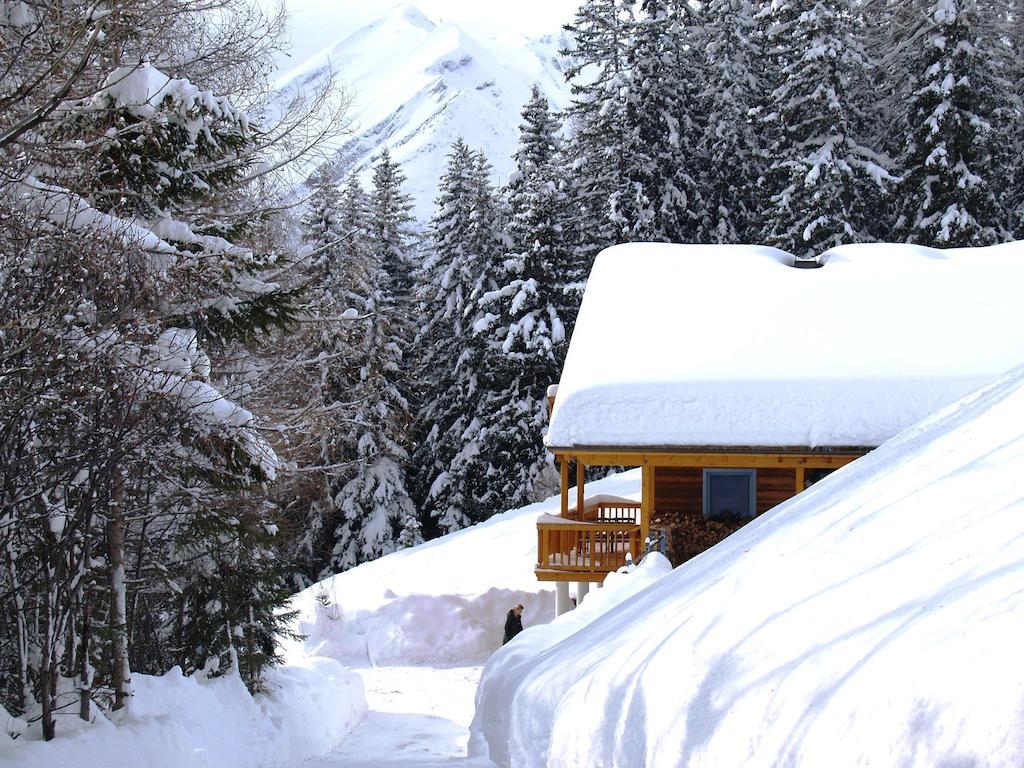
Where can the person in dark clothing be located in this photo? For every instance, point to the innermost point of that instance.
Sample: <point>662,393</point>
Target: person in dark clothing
<point>513,623</point>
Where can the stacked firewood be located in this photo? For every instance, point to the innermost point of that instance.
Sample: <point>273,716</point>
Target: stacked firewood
<point>689,535</point>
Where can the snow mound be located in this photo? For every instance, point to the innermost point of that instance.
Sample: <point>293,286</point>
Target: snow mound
<point>441,602</point>
<point>181,721</point>
<point>513,662</point>
<point>873,620</point>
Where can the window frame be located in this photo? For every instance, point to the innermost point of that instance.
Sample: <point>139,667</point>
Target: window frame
<point>710,472</point>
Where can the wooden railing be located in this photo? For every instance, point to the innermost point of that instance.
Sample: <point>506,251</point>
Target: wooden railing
<point>613,512</point>
<point>583,550</point>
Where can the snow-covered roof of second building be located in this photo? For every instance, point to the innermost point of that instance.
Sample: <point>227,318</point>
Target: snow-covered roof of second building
<point>694,345</point>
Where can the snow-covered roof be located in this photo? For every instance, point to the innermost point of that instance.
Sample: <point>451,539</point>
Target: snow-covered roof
<point>696,345</point>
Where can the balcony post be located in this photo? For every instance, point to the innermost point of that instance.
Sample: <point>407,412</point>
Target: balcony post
<point>646,504</point>
<point>562,602</point>
<point>582,588</point>
<point>581,470</point>
<point>563,470</point>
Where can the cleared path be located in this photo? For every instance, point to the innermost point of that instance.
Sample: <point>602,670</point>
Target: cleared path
<point>419,716</point>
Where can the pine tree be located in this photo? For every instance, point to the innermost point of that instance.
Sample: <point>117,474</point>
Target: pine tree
<point>465,245</point>
<point>391,230</point>
<point>820,174</point>
<point>525,325</point>
<point>335,228</point>
<point>729,152</point>
<point>412,535</point>
<point>138,238</point>
<point>954,157</point>
<point>164,288</point>
<point>538,140</point>
<point>597,73</point>
<point>321,227</point>
<point>661,200</point>
<point>374,502</point>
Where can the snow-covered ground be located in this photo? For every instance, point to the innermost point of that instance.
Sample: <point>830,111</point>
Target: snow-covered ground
<point>189,722</point>
<point>876,619</point>
<point>419,716</point>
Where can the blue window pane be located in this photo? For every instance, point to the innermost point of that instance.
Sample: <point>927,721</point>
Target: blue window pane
<point>729,495</point>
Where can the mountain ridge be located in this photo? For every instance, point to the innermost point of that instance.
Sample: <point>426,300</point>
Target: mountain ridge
<point>417,84</point>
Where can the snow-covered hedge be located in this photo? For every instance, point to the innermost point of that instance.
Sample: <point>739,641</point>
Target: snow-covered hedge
<point>874,620</point>
<point>179,721</point>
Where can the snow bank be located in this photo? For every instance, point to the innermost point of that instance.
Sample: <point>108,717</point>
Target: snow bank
<point>441,602</point>
<point>875,619</point>
<point>506,668</point>
<point>179,721</point>
<point>691,345</point>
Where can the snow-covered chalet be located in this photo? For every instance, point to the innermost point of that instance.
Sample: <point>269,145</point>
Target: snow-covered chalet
<point>735,378</point>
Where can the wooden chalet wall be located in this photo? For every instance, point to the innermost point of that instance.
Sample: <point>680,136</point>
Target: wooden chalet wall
<point>679,502</point>
<point>774,486</point>
<point>681,489</point>
<point>678,490</point>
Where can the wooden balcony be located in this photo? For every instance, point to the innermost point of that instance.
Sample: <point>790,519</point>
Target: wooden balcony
<point>588,546</point>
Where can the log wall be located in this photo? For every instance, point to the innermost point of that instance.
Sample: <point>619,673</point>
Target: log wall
<point>774,486</point>
<point>679,502</point>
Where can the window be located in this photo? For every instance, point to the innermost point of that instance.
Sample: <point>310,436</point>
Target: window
<point>730,494</point>
<point>812,476</point>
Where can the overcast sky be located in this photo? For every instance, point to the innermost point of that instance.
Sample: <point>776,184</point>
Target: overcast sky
<point>315,24</point>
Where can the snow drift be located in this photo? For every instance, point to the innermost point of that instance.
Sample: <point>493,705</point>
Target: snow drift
<point>875,619</point>
<point>512,662</point>
<point>179,721</point>
<point>439,603</point>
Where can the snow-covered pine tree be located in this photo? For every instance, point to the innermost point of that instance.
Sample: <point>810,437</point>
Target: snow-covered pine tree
<point>955,158</point>
<point>661,200</point>
<point>525,327</point>
<point>374,502</point>
<point>538,140</point>
<point>597,74</point>
<point>466,244</point>
<point>341,267</point>
<point>321,223</point>
<point>391,232</point>
<point>234,586</point>
<point>445,289</point>
<point>412,533</point>
<point>821,175</point>
<point>491,215</point>
<point>539,209</point>
<point>162,150</point>
<point>729,151</point>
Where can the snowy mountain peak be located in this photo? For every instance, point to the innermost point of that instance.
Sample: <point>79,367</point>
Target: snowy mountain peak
<point>408,14</point>
<point>418,83</point>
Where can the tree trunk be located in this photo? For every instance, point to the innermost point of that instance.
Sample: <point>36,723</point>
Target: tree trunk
<point>49,730</point>
<point>21,639</point>
<point>120,672</point>
<point>46,663</point>
<point>85,668</point>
